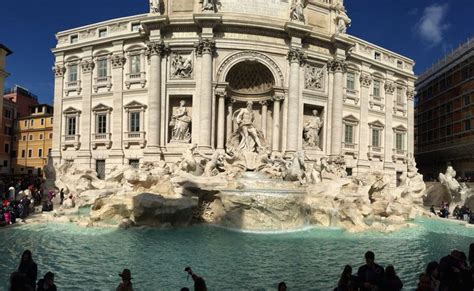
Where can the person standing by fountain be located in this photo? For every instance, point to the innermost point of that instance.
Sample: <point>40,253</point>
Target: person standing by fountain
<point>126,284</point>
<point>47,283</point>
<point>391,281</point>
<point>370,275</point>
<point>29,268</point>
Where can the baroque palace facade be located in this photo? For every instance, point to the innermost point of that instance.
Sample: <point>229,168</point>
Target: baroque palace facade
<point>284,74</point>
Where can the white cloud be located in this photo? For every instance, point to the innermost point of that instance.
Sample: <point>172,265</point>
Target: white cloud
<point>432,24</point>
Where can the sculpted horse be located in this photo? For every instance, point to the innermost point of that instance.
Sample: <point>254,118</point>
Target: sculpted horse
<point>296,170</point>
<point>187,162</point>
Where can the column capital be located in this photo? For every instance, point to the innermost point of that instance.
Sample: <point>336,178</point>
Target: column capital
<point>263,103</point>
<point>411,94</point>
<point>278,97</point>
<point>205,46</point>
<point>365,80</point>
<point>337,66</point>
<point>158,48</point>
<point>296,55</point>
<point>118,61</point>
<point>87,66</point>
<point>59,71</point>
<point>389,87</point>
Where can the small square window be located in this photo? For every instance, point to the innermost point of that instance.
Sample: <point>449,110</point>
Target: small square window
<point>378,56</point>
<point>50,136</point>
<point>32,122</point>
<point>40,153</point>
<point>31,137</point>
<point>7,148</point>
<point>135,26</point>
<point>26,123</point>
<point>41,136</point>
<point>24,138</point>
<point>74,38</point>
<point>23,153</point>
<point>30,153</point>
<point>400,64</point>
<point>103,32</point>
<point>42,121</point>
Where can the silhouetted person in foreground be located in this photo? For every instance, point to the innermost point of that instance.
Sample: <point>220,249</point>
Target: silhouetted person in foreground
<point>47,283</point>
<point>347,282</point>
<point>282,286</point>
<point>28,268</point>
<point>199,283</point>
<point>471,255</point>
<point>185,289</point>
<point>391,281</point>
<point>126,284</point>
<point>370,275</point>
<point>432,271</point>
<point>18,282</point>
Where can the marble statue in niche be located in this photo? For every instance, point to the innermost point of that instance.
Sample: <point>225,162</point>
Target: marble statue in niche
<point>311,131</point>
<point>181,66</point>
<point>180,123</point>
<point>250,140</point>
<point>210,5</point>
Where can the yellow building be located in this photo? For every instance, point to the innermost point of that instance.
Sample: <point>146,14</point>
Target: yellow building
<point>34,137</point>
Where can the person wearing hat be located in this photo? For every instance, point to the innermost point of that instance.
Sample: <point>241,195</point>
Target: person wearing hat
<point>47,283</point>
<point>126,284</point>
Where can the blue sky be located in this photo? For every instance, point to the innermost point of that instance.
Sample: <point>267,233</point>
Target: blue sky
<point>419,29</point>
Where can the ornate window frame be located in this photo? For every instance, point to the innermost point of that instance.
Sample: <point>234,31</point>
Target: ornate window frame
<point>101,138</point>
<point>352,94</point>
<point>376,151</point>
<point>135,137</point>
<point>73,86</point>
<point>140,77</point>
<point>71,140</point>
<point>400,87</point>
<point>104,81</point>
<point>351,148</point>
<point>377,101</point>
<point>400,154</point>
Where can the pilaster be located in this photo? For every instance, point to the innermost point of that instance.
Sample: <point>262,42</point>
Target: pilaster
<point>338,67</point>
<point>59,70</point>
<point>365,82</point>
<point>85,120</point>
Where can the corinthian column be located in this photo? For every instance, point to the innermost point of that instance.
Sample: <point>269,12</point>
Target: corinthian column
<point>296,57</point>
<point>59,71</point>
<point>276,123</point>
<point>153,151</point>
<point>364,136</point>
<point>264,117</point>
<point>230,111</point>
<point>338,67</point>
<point>220,119</point>
<point>411,122</point>
<point>205,48</point>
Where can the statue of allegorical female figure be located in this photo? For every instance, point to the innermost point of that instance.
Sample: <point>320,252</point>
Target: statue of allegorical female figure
<point>311,130</point>
<point>180,121</point>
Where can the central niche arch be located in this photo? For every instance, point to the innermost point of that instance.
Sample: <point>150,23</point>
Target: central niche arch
<point>250,78</point>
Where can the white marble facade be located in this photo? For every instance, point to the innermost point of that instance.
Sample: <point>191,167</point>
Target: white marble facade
<point>145,87</point>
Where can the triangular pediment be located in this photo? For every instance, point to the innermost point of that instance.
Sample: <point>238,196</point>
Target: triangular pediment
<point>351,118</point>
<point>377,123</point>
<point>71,110</point>
<point>400,128</point>
<point>101,107</point>
<point>135,104</point>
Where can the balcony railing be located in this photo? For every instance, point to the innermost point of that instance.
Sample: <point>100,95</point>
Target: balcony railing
<point>350,149</point>
<point>375,152</point>
<point>101,139</point>
<point>399,155</point>
<point>102,82</point>
<point>73,86</point>
<point>351,94</point>
<point>71,140</point>
<point>135,78</point>
<point>134,137</point>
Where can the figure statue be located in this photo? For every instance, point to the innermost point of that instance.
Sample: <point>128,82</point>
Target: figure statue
<point>315,174</point>
<point>342,19</point>
<point>333,168</point>
<point>180,121</point>
<point>250,140</point>
<point>210,5</point>
<point>155,6</point>
<point>214,165</point>
<point>297,10</point>
<point>188,162</point>
<point>296,169</point>
<point>311,131</point>
<point>182,67</point>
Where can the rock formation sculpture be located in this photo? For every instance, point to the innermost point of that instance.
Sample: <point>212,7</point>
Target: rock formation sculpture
<point>458,192</point>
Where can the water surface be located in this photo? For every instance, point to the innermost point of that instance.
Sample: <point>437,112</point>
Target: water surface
<point>91,258</point>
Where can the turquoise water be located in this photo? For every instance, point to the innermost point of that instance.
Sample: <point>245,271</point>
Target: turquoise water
<point>91,258</point>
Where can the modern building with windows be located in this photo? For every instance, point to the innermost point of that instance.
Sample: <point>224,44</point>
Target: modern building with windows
<point>34,139</point>
<point>145,87</point>
<point>444,118</point>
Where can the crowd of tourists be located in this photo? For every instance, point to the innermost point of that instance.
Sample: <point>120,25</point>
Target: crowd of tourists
<point>460,213</point>
<point>20,198</point>
<point>454,272</point>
